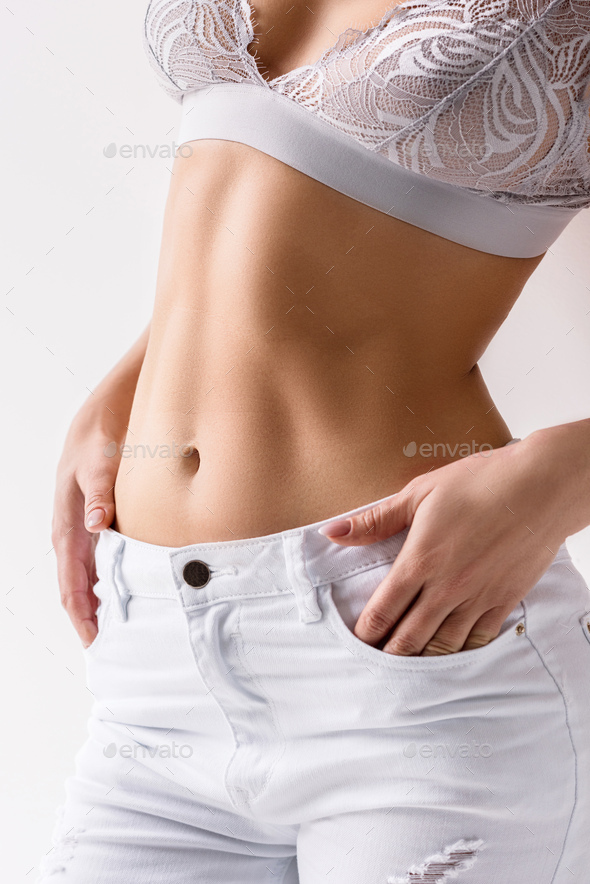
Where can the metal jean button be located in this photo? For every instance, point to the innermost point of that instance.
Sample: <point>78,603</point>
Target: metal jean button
<point>196,573</point>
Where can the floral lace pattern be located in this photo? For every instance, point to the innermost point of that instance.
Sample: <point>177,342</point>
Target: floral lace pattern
<point>489,95</point>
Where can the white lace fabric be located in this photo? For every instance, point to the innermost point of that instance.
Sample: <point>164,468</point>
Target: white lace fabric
<point>489,95</point>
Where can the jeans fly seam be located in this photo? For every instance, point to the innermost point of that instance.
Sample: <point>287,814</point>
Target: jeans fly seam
<point>229,723</point>
<point>238,644</point>
<point>569,730</point>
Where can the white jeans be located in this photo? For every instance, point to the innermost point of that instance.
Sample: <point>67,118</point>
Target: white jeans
<point>241,734</point>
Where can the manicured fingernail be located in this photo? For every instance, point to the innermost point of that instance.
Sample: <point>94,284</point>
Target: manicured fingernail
<point>336,529</point>
<point>94,518</point>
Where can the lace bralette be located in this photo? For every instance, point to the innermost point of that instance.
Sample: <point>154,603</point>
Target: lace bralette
<point>468,118</point>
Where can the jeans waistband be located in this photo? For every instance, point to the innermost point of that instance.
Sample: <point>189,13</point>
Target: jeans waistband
<point>297,560</point>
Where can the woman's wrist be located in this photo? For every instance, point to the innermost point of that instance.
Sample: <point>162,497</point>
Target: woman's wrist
<point>562,454</point>
<point>100,420</point>
<point>107,410</point>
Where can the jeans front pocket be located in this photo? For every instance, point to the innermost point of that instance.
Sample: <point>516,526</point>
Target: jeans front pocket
<point>343,600</point>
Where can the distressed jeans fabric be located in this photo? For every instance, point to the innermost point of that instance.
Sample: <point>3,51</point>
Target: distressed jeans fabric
<point>241,734</point>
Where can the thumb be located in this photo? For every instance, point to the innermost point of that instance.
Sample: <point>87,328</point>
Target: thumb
<point>99,500</point>
<point>376,523</point>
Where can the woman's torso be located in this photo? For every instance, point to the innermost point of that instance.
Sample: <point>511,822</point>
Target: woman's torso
<point>300,340</point>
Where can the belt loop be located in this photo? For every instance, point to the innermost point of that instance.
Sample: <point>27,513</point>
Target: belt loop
<point>122,596</point>
<point>303,589</point>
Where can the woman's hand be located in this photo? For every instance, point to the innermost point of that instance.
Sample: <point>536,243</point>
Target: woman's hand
<point>84,505</point>
<point>483,530</point>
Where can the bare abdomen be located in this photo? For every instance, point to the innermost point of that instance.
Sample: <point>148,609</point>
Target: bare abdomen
<point>300,343</point>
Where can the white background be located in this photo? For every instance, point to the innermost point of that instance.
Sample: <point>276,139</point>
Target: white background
<point>80,239</point>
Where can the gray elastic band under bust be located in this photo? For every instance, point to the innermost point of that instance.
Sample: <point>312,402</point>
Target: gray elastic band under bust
<point>278,126</point>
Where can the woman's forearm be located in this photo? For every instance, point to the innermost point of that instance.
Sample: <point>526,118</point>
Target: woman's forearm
<point>109,405</point>
<point>565,450</point>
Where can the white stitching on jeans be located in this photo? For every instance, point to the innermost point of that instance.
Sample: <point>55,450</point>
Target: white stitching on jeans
<point>392,661</point>
<point>238,641</point>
